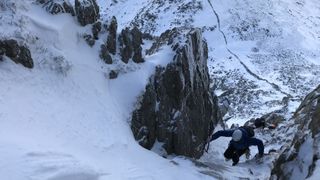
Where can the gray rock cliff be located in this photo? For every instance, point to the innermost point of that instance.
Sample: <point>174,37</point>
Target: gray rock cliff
<point>177,107</point>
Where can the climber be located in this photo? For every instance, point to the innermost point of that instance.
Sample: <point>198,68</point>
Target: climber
<point>242,138</point>
<point>261,123</point>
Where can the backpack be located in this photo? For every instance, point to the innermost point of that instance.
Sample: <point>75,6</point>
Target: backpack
<point>249,130</point>
<point>260,122</point>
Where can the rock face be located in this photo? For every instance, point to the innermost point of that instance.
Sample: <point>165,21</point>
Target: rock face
<point>87,11</point>
<point>112,37</point>
<point>126,45</point>
<point>19,54</point>
<point>57,6</point>
<point>299,159</point>
<point>130,42</point>
<point>89,39</point>
<point>104,54</point>
<point>177,107</point>
<point>130,45</point>
<point>96,28</point>
<point>136,44</point>
<point>113,74</point>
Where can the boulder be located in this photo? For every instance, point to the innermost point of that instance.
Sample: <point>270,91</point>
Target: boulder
<point>137,55</point>
<point>113,74</point>
<point>96,28</point>
<point>2,52</point>
<point>136,44</point>
<point>19,54</point>
<point>89,39</point>
<point>24,57</point>
<point>87,11</point>
<point>112,37</point>
<point>178,109</point>
<point>130,45</point>
<point>126,48</point>
<point>104,54</point>
<point>12,48</point>
<point>57,6</point>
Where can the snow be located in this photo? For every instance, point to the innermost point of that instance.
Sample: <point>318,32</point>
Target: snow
<point>65,119</point>
<point>300,167</point>
<point>73,125</point>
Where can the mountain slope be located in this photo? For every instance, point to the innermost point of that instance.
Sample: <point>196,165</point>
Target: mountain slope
<point>260,52</point>
<point>64,119</point>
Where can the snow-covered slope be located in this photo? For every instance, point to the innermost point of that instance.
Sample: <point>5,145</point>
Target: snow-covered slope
<point>64,119</point>
<point>259,51</point>
<point>263,55</point>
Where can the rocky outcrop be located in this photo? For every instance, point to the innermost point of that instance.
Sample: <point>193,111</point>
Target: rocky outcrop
<point>125,45</point>
<point>2,51</point>
<point>112,37</point>
<point>110,46</point>
<point>87,11</point>
<point>177,108</point>
<point>57,6</point>
<point>113,74</point>
<point>130,45</point>
<point>298,160</point>
<point>130,41</point>
<point>136,44</point>
<point>89,39</point>
<point>104,54</point>
<point>96,28</point>
<point>19,54</point>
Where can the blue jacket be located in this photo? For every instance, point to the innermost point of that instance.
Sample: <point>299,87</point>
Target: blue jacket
<point>244,142</point>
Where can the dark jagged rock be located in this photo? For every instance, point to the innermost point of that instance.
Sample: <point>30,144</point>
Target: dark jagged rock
<point>2,51</point>
<point>136,43</point>
<point>89,39</point>
<point>68,8</point>
<point>147,36</point>
<point>126,45</point>
<point>177,107</point>
<point>12,48</point>
<point>136,37</point>
<point>130,45</point>
<point>137,55</point>
<point>96,28</point>
<point>166,37</point>
<point>299,158</point>
<point>113,74</point>
<point>24,57</point>
<point>104,55</point>
<point>112,37</point>
<point>57,6</point>
<point>87,11</point>
<point>19,54</point>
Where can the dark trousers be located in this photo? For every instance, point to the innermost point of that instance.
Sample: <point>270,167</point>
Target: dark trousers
<point>234,154</point>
